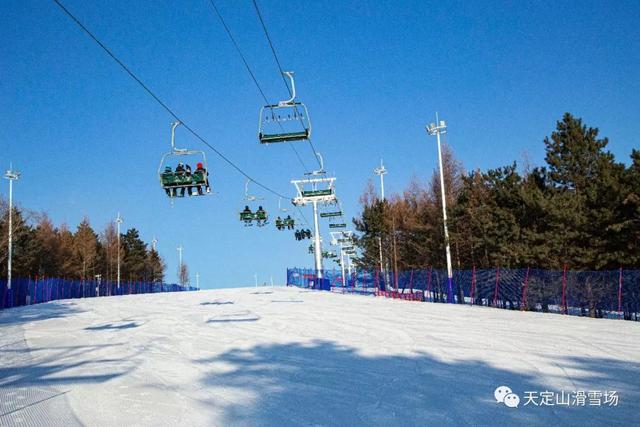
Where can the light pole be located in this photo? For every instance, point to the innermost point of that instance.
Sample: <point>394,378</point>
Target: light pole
<point>118,222</point>
<point>180,249</point>
<point>381,172</point>
<point>11,175</point>
<point>437,129</point>
<point>197,281</point>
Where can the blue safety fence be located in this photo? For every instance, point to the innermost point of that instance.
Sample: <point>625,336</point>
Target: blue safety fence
<point>36,291</point>
<point>611,293</point>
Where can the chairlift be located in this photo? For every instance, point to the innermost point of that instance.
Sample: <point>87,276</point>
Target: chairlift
<point>273,126</point>
<point>247,216</point>
<point>194,183</point>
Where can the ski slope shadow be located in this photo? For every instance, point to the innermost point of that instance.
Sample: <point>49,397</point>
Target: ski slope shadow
<point>113,327</point>
<point>216,303</point>
<point>22,366</point>
<point>327,384</point>
<point>35,380</point>
<point>37,312</point>
<point>240,316</point>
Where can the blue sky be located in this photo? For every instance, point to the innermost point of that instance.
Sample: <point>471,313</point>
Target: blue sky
<point>88,140</point>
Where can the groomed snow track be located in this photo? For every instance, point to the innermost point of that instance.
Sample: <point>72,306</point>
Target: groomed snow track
<point>284,356</point>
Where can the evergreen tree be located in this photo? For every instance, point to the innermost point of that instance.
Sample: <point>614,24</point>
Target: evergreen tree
<point>155,267</point>
<point>135,256</point>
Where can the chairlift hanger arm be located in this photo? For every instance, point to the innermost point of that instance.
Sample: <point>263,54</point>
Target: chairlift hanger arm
<point>290,101</point>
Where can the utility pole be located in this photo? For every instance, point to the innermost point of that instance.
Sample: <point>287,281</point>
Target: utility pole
<point>437,129</point>
<point>11,175</point>
<point>118,222</point>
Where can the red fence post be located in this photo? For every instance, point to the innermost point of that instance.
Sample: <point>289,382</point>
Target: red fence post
<point>564,289</point>
<point>524,290</point>
<point>473,284</point>
<point>495,292</point>
<point>620,293</point>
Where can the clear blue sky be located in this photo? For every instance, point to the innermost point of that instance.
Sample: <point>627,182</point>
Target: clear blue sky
<point>88,140</point>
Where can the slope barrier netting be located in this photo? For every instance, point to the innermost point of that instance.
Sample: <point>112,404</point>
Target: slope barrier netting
<point>35,291</point>
<point>612,293</point>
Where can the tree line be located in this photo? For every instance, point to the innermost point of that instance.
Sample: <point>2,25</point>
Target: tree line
<point>44,250</point>
<point>581,209</point>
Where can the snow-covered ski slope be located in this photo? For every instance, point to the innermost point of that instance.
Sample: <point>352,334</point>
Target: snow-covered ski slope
<point>278,357</point>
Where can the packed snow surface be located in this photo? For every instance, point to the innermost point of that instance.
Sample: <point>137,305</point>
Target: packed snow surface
<point>282,356</point>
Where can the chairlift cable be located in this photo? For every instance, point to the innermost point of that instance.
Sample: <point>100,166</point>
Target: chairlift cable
<point>250,71</point>
<point>255,81</point>
<point>282,74</point>
<point>162,104</point>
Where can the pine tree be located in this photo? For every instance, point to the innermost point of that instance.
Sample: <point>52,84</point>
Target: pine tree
<point>155,267</point>
<point>135,256</point>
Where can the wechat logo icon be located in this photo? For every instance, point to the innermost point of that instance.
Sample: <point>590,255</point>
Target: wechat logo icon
<point>504,394</point>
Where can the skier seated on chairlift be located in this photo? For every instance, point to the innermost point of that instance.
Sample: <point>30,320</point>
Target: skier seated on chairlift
<point>308,233</point>
<point>179,172</point>
<point>279,224</point>
<point>187,174</point>
<point>246,213</point>
<point>289,222</point>
<point>205,173</point>
<point>261,215</point>
<point>167,174</point>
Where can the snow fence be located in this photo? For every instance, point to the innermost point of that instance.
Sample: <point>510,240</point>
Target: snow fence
<point>611,293</point>
<point>39,290</point>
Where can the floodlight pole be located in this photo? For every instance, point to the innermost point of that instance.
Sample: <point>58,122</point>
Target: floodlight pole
<point>180,249</point>
<point>381,171</point>
<point>436,129</point>
<point>11,176</point>
<point>118,222</point>
<point>344,284</point>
